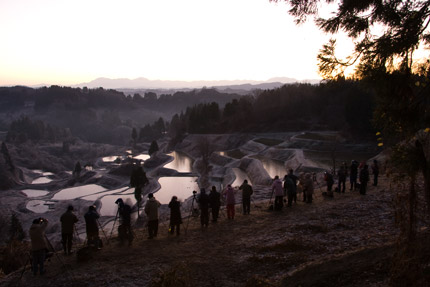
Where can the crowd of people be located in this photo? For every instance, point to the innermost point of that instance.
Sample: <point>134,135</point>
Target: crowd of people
<point>284,191</point>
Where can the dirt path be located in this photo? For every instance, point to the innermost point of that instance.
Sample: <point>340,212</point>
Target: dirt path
<point>260,248</point>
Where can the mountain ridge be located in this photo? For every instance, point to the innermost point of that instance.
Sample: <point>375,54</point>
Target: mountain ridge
<point>144,83</point>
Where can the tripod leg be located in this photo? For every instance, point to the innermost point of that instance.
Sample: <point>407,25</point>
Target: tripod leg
<point>104,234</point>
<point>113,226</point>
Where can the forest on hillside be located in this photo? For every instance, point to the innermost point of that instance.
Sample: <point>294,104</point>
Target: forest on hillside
<point>108,116</point>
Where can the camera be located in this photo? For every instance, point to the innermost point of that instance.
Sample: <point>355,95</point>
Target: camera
<point>194,192</point>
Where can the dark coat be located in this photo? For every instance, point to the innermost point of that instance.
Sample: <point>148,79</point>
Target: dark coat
<point>214,199</point>
<point>246,190</point>
<point>68,220</point>
<point>91,221</point>
<point>175,212</point>
<point>203,200</point>
<point>124,211</point>
<point>364,175</point>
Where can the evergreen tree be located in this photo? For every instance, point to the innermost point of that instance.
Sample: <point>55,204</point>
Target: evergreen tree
<point>153,148</point>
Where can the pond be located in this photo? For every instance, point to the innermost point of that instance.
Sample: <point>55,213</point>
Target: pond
<point>274,167</point>
<point>182,187</point>
<point>37,206</point>
<point>109,207</point>
<point>78,191</point>
<point>34,192</point>
<point>181,162</point>
<point>240,177</point>
<point>98,195</point>
<point>41,180</point>
<point>142,157</point>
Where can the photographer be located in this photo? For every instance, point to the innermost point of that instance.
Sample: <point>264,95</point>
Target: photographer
<point>92,227</point>
<point>39,245</point>
<point>124,229</point>
<point>203,201</point>
<point>68,220</point>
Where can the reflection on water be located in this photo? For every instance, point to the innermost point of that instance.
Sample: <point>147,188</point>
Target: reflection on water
<point>240,177</point>
<point>142,156</point>
<point>110,158</point>
<point>181,162</point>
<point>78,191</point>
<point>274,167</point>
<point>96,196</point>
<point>41,180</point>
<point>34,192</point>
<point>109,207</point>
<point>182,187</point>
<point>37,206</point>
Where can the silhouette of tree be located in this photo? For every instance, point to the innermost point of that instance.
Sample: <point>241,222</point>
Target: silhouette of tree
<point>153,148</point>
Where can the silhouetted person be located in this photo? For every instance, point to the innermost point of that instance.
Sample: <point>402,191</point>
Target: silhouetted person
<point>294,179</point>
<point>375,171</point>
<point>230,201</point>
<point>175,215</point>
<point>279,193</point>
<point>68,220</point>
<point>151,210</point>
<point>124,229</point>
<point>39,246</point>
<point>289,189</point>
<point>308,187</point>
<point>342,173</point>
<point>203,201</point>
<point>364,179</point>
<point>214,203</point>
<point>92,227</point>
<point>328,177</point>
<point>247,191</point>
<point>353,173</point>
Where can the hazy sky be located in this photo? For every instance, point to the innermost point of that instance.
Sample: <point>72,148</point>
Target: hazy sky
<point>67,42</point>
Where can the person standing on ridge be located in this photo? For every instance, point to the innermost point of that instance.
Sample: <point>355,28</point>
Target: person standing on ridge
<point>124,229</point>
<point>214,203</point>
<point>364,179</point>
<point>175,215</point>
<point>279,193</point>
<point>353,173</point>
<point>247,191</point>
<point>230,201</point>
<point>92,227</point>
<point>151,210</point>
<point>39,246</point>
<point>203,201</point>
<point>68,220</point>
<point>342,173</point>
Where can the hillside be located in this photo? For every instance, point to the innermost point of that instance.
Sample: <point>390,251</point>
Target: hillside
<point>345,241</point>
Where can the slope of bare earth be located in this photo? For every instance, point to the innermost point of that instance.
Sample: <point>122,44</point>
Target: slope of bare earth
<point>345,241</point>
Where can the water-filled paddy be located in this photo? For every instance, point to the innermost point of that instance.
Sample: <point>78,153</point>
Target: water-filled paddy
<point>181,162</point>
<point>78,191</point>
<point>182,187</point>
<point>34,192</point>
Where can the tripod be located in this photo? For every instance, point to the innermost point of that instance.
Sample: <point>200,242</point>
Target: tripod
<point>58,257</point>
<point>29,260</point>
<point>116,217</point>
<point>192,213</point>
<point>104,234</point>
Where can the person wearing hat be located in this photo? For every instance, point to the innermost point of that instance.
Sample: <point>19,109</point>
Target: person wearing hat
<point>92,227</point>
<point>124,229</point>
<point>39,246</point>
<point>68,220</point>
<point>151,210</point>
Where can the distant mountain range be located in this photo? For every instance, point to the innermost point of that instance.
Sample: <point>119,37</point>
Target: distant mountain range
<point>143,83</point>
